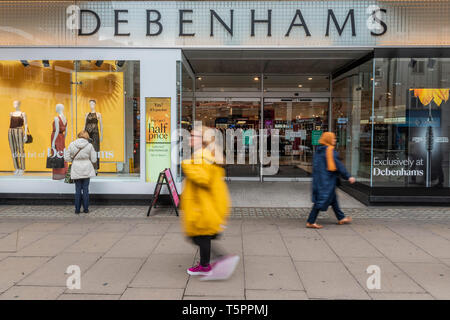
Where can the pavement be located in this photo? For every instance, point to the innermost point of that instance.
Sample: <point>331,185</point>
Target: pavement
<point>122,254</point>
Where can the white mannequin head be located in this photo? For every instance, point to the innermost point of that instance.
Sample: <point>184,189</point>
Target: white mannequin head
<point>92,104</point>
<point>59,108</point>
<point>16,105</point>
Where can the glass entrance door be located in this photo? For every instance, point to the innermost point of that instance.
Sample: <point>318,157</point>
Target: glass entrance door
<point>239,122</point>
<point>300,123</point>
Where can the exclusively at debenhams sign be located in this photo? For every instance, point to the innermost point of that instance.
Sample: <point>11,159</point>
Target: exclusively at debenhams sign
<point>225,23</point>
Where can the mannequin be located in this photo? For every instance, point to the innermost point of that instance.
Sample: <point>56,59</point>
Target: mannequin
<point>92,121</point>
<point>17,137</point>
<point>58,139</point>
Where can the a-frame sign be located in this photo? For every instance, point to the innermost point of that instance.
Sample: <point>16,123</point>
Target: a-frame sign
<point>165,178</point>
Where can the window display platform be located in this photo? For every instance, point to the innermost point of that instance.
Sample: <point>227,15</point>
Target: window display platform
<point>47,176</point>
<point>382,196</point>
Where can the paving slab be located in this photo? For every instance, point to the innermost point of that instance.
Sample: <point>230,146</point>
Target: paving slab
<point>32,293</point>
<point>393,279</point>
<point>164,271</point>
<point>19,239</point>
<point>400,296</point>
<point>175,227</point>
<point>69,296</point>
<point>49,245</point>
<point>309,248</point>
<point>433,244</point>
<point>155,229</point>
<point>115,226</point>
<point>270,244</point>
<point>133,246</point>
<point>393,246</point>
<point>234,286</point>
<point>14,269</point>
<point>446,261</point>
<point>109,276</point>
<point>329,280</point>
<point>228,244</point>
<point>435,280</point>
<point>78,227</point>
<point>439,229</point>
<point>257,227</point>
<point>251,294</point>
<point>175,243</point>
<point>271,273</point>
<point>152,294</point>
<point>233,227</point>
<point>351,246</point>
<point>53,273</point>
<point>95,242</point>
<point>43,226</point>
<point>295,229</point>
<point>8,227</point>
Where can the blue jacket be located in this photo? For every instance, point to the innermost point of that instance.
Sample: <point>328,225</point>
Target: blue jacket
<point>324,181</point>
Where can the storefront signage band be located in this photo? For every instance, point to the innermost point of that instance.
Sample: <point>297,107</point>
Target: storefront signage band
<point>154,26</point>
<point>184,24</point>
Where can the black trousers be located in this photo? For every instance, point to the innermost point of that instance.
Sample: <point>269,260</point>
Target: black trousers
<point>204,243</point>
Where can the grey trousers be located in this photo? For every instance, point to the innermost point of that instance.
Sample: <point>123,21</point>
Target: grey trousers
<point>16,144</point>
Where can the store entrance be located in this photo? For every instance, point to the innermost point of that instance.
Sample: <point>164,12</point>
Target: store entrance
<point>240,117</point>
<point>300,123</point>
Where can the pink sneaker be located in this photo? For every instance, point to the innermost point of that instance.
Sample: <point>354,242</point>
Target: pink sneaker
<point>199,270</point>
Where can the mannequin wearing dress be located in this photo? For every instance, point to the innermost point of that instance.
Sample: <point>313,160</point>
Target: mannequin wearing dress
<point>58,139</point>
<point>17,137</point>
<point>93,121</point>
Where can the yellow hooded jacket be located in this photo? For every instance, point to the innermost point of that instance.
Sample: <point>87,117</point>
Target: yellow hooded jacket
<point>205,202</point>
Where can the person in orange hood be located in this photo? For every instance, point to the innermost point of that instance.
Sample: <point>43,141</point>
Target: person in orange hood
<point>326,170</point>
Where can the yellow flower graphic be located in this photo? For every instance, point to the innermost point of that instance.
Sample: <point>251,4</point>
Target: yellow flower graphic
<point>427,95</point>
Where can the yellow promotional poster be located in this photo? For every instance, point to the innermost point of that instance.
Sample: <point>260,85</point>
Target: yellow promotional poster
<point>29,94</point>
<point>157,137</point>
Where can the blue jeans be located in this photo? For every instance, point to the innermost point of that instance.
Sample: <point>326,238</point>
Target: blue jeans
<point>334,204</point>
<point>81,185</point>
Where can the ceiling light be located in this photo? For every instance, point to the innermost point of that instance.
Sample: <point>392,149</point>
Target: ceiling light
<point>309,78</point>
<point>300,85</point>
<point>256,78</point>
<point>199,78</point>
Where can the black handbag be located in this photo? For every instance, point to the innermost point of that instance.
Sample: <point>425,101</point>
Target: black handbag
<point>55,162</point>
<point>29,136</point>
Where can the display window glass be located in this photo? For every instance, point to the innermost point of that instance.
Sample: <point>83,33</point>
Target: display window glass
<point>45,103</point>
<point>411,123</point>
<point>351,113</point>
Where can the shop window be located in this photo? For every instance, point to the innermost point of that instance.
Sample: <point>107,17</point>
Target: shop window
<point>54,100</point>
<point>411,123</point>
<point>351,111</point>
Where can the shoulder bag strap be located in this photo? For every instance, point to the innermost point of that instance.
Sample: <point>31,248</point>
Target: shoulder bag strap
<point>78,153</point>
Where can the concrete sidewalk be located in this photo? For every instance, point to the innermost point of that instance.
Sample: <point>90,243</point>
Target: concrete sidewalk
<point>146,258</point>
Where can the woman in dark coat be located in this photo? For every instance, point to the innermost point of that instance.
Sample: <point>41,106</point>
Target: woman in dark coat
<point>326,170</point>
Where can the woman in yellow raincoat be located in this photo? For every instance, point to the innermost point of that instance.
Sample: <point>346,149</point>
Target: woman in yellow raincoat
<point>205,201</point>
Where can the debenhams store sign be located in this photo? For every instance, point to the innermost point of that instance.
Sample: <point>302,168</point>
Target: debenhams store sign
<point>215,23</point>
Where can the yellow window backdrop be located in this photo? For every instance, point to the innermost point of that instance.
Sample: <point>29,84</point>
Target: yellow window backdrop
<point>106,88</point>
<point>39,89</point>
<point>39,86</point>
